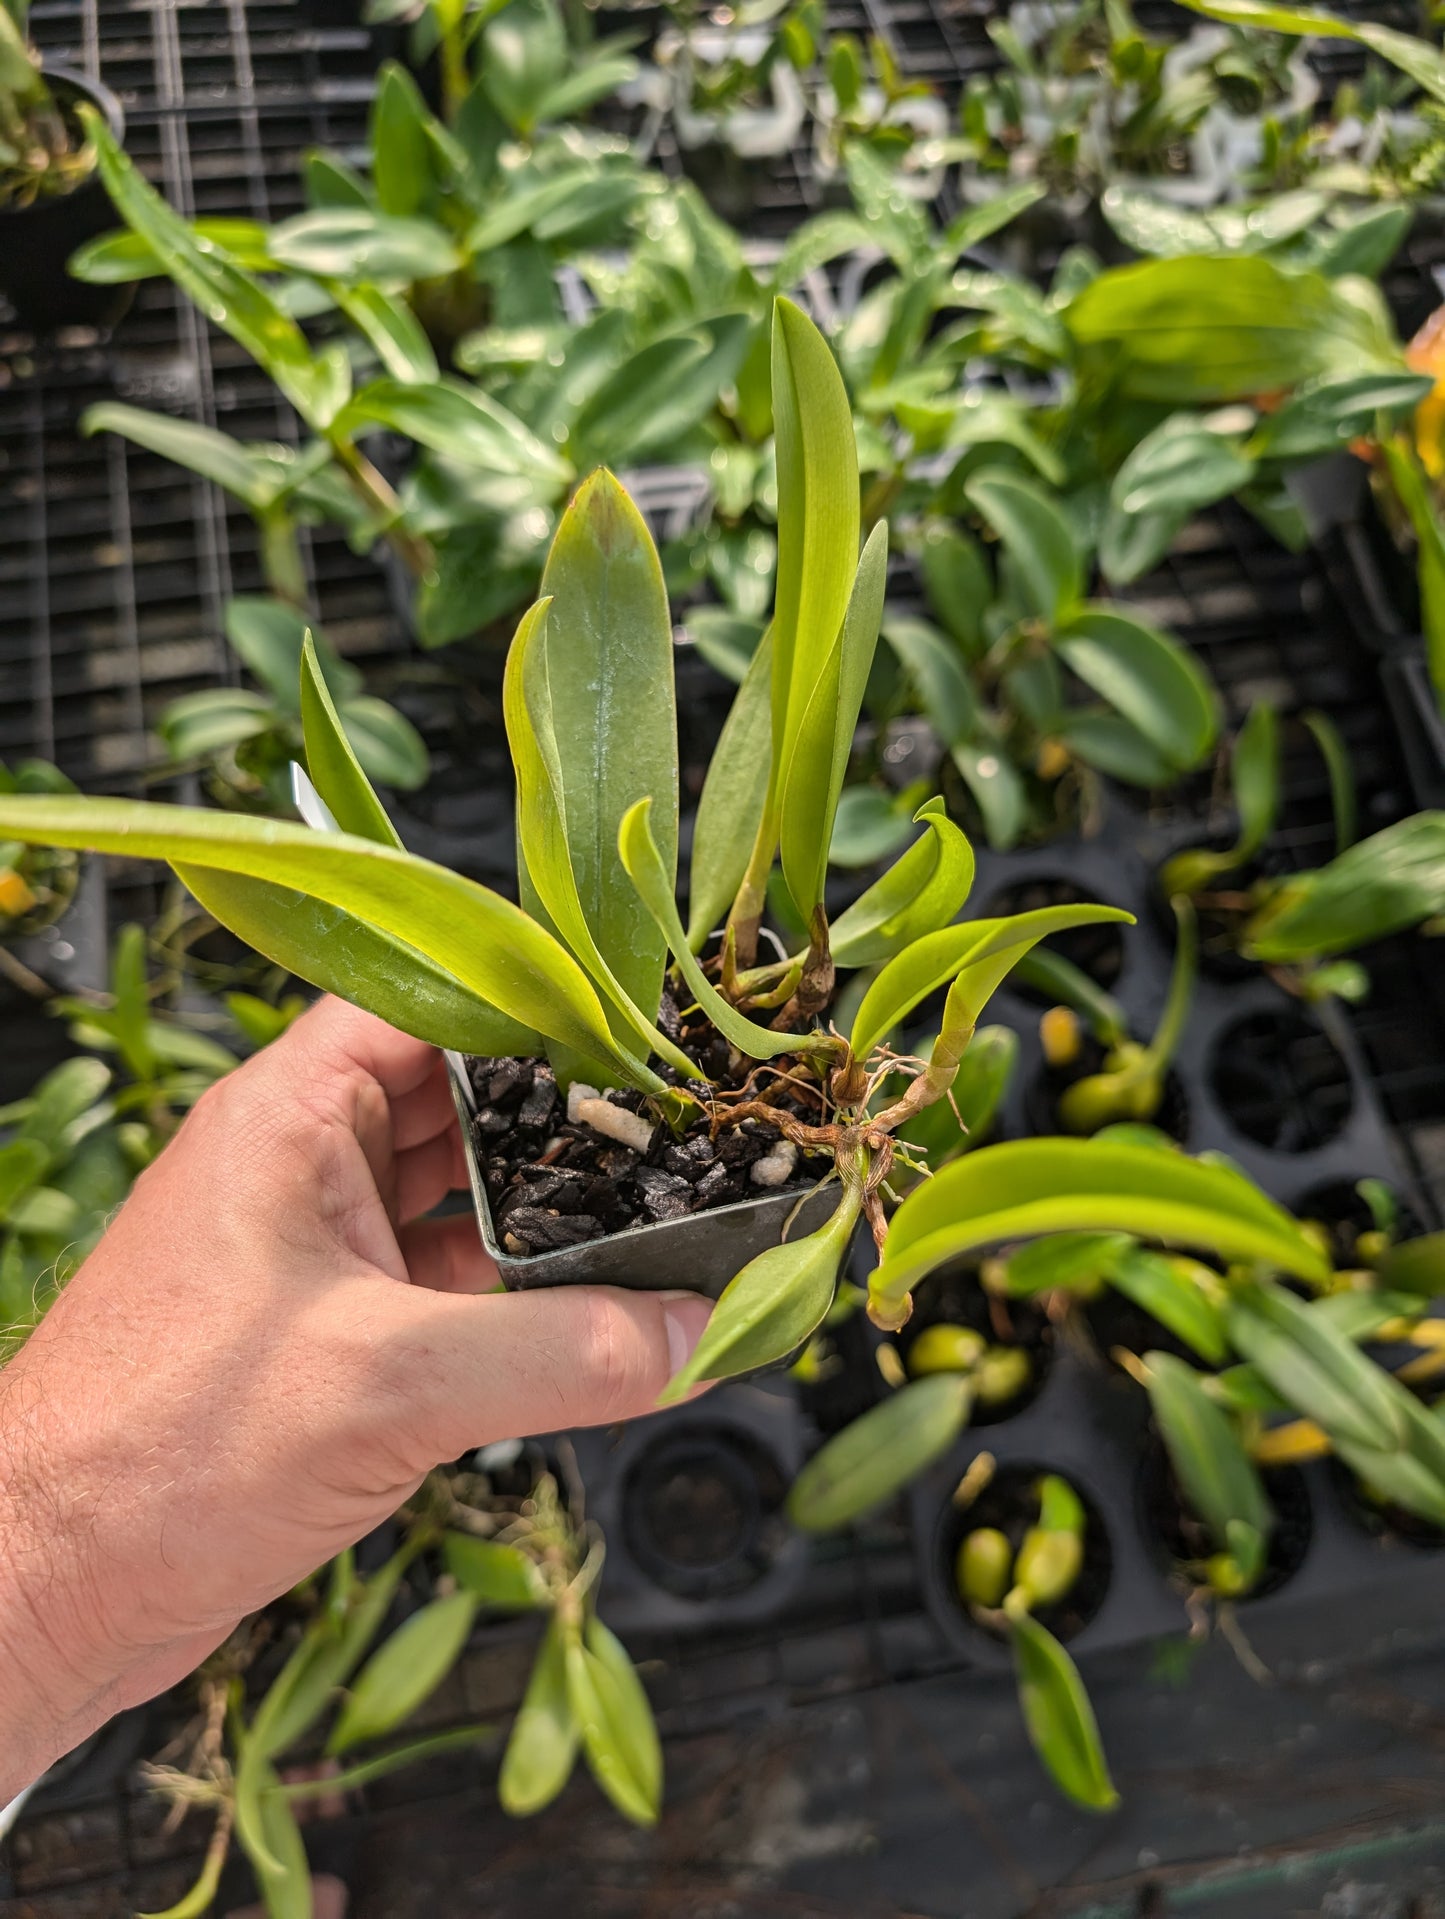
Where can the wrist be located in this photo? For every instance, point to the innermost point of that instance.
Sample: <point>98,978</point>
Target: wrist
<point>64,1672</point>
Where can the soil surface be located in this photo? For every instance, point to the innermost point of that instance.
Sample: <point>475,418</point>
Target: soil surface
<point>553,1183</point>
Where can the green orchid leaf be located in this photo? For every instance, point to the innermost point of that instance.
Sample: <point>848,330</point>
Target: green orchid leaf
<point>518,210</point>
<point>869,825</point>
<point>1417,1266</point>
<point>1344,799</point>
<point>828,236</point>
<point>938,674</point>
<point>997,789</point>
<point>874,1458</point>
<point>487,946</point>
<point>646,406</point>
<point>605,675</point>
<point>813,769</point>
<point>238,304</point>
<point>1025,1188</point>
<point>1179,467</point>
<point>405,1672</point>
<point>1417,58</point>
<point>1114,745</point>
<point>501,1577</point>
<point>976,223</point>
<point>242,471</point>
<point>401,166</point>
<point>1060,1720</point>
<point>1146,676</point>
<point>199,724</point>
<point>272,1842</point>
<point>1218,1478</point>
<point>734,795</point>
<point>1255,778</point>
<point>1400,1478</point>
<point>1180,1294</point>
<point>117,259</point>
<point>975,956</point>
<point>1414,495</point>
<point>1037,538</point>
<point>23,1164</point>
<point>649,875</point>
<point>1151,225</point>
<point>1316,1368</point>
<point>395,333</point>
<point>358,243</point>
<point>1381,885</point>
<point>542,1747</point>
<point>331,763</point>
<point>552,873</point>
<point>619,1735</point>
<point>386,744</point>
<point>1325,415</point>
<point>269,636</point>
<point>921,892</point>
<point>772,1306</point>
<point>958,583</point>
<point>1195,330</point>
<point>342,953</point>
<point>458,421</point>
<point>1063,1262</point>
<point>331,182</point>
<point>818,521</point>
<point>66,1095</point>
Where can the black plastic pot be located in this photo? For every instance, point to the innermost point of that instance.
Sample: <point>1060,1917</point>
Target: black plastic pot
<point>37,241</point>
<point>699,1253</point>
<point>691,1504</point>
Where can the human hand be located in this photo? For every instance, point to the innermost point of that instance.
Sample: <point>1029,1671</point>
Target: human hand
<point>262,1359</point>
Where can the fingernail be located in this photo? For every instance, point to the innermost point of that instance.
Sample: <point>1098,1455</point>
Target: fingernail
<point>684,1315</point>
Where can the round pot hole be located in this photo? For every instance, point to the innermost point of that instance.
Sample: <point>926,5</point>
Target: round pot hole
<point>954,1296</point>
<point>1381,1520</point>
<point>1182,1538</point>
<point>702,1512</point>
<point>1095,950</point>
<point>1010,1503</point>
<point>1044,1090</point>
<point>1282,1081</point>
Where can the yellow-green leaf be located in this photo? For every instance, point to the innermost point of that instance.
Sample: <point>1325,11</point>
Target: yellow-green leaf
<point>733,797</point>
<point>542,1746</point>
<point>619,1735</point>
<point>775,1303</point>
<point>405,1672</point>
<point>1060,1719</point>
<point>921,892</point>
<point>876,1457</point>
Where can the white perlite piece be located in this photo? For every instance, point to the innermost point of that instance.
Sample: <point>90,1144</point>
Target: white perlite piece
<point>586,1107</point>
<point>776,1168</point>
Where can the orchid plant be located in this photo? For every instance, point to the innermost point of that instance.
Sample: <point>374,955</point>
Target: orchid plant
<point>577,970</point>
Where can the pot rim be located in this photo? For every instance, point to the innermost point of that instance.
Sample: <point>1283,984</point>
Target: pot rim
<point>98,94</point>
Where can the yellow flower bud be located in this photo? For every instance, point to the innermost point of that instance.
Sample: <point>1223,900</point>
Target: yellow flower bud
<point>1060,1036</point>
<point>1052,760</point>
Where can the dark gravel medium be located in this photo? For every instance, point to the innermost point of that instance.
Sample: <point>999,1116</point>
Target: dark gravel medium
<point>551,1183</point>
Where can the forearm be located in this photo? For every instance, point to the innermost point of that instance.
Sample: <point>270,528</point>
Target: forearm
<point>70,1656</point>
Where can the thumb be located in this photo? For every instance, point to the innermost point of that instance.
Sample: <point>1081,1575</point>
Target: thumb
<point>507,1365</point>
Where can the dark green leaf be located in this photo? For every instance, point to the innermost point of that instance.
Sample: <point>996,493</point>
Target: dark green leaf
<point>1146,676</point>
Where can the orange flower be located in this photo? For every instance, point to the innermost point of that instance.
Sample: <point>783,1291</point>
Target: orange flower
<point>1426,354</point>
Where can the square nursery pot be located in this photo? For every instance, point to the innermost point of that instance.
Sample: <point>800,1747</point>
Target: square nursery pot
<point>37,241</point>
<point>700,1252</point>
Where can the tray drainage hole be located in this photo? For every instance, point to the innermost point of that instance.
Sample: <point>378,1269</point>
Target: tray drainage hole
<point>1095,950</point>
<point>1010,1503</point>
<point>1390,1524</point>
<point>702,1512</point>
<point>1047,1086</point>
<point>1282,1081</point>
<point>1182,1538</point>
<point>954,1297</point>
